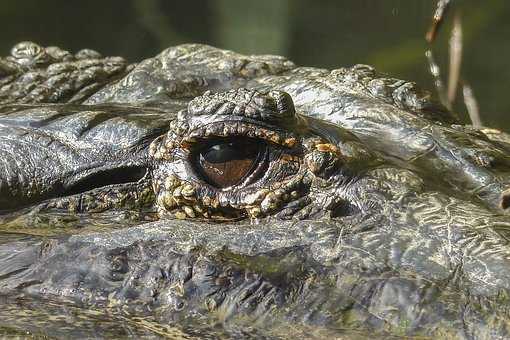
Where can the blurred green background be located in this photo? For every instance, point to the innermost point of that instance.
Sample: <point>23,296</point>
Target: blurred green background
<point>327,33</point>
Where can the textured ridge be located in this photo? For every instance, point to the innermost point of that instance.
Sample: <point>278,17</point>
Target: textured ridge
<point>36,74</point>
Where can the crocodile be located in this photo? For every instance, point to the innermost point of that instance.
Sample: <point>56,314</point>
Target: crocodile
<point>203,192</point>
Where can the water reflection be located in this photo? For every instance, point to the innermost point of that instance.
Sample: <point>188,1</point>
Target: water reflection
<point>329,33</point>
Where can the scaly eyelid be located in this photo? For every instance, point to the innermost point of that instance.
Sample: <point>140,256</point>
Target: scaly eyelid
<point>230,129</point>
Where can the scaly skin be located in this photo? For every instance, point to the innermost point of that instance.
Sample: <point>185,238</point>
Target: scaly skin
<point>372,212</point>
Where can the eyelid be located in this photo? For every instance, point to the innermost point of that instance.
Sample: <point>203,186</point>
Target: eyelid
<point>225,129</point>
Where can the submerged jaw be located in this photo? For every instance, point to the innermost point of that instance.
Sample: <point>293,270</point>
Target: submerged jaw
<point>110,189</point>
<point>111,206</point>
<point>129,195</point>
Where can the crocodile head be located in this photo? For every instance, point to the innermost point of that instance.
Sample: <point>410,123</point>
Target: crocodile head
<point>292,201</point>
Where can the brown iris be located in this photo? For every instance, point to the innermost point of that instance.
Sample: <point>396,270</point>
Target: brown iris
<point>224,163</point>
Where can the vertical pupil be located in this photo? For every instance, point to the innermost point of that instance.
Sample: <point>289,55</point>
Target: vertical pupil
<point>227,163</point>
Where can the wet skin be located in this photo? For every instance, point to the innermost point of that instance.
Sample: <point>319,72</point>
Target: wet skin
<point>285,201</point>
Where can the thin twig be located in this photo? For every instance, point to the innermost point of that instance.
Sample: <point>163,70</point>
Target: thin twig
<point>438,18</point>
<point>455,58</point>
<point>436,74</point>
<point>471,105</point>
<point>447,98</point>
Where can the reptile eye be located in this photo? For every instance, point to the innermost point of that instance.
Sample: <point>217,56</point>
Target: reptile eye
<point>225,163</point>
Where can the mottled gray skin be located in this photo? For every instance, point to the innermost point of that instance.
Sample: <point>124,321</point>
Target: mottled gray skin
<point>377,213</point>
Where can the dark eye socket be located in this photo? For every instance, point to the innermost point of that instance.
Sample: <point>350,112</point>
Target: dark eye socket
<point>227,162</point>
